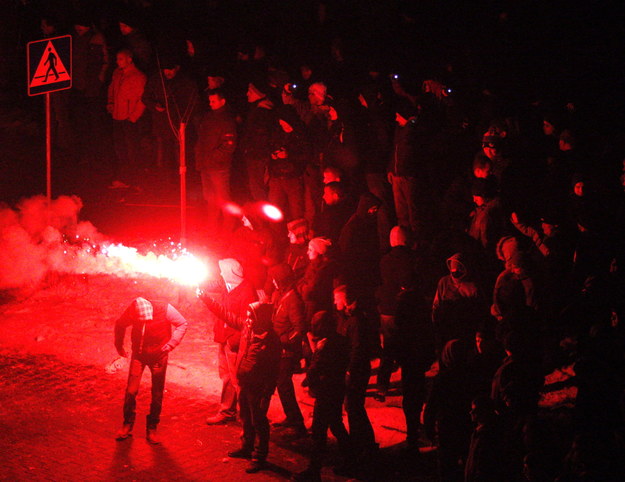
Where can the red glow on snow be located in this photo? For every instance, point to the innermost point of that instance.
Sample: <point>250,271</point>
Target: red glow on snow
<point>272,212</point>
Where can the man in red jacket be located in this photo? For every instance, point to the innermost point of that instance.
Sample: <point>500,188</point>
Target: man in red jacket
<point>152,339</point>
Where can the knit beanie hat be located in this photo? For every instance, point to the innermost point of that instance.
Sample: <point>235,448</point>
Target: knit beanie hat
<point>299,228</point>
<point>398,236</point>
<point>320,245</point>
<point>144,311</point>
<point>231,271</point>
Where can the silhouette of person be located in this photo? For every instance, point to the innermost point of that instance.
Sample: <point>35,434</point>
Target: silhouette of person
<point>51,61</point>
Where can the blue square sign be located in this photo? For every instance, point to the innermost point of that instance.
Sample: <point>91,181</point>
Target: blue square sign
<point>49,65</point>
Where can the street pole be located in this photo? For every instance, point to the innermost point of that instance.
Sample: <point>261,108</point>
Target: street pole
<point>48,157</point>
<point>183,186</point>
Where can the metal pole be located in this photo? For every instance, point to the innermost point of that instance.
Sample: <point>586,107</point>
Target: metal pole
<point>183,186</point>
<point>48,156</point>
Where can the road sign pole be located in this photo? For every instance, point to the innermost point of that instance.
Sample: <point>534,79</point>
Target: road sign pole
<point>48,155</point>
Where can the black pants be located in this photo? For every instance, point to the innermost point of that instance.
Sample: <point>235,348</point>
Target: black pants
<point>253,406</point>
<point>328,413</point>
<point>413,389</point>
<point>360,429</point>
<point>286,390</point>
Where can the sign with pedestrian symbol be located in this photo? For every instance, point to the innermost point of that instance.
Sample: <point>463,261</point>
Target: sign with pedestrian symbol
<point>49,65</point>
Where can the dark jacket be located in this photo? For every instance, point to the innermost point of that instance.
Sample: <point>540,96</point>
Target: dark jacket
<point>235,301</point>
<point>317,284</point>
<point>150,336</point>
<point>178,96</point>
<point>330,221</point>
<point>258,357</point>
<point>298,154</point>
<point>359,245</point>
<point>288,318</point>
<point>258,131</point>
<point>397,270</point>
<point>353,325</point>
<point>326,373</point>
<point>216,142</point>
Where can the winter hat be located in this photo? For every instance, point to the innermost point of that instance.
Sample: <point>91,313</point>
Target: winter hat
<point>168,61</point>
<point>320,245</point>
<point>405,109</point>
<point>398,236</point>
<point>83,19</point>
<point>130,18</point>
<point>322,324</point>
<point>144,311</point>
<point>299,228</point>
<point>260,317</point>
<point>282,274</point>
<point>231,271</point>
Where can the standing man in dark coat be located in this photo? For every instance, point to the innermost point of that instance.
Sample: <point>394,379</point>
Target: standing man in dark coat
<point>288,322</point>
<point>236,295</point>
<point>403,170</point>
<point>256,135</point>
<point>352,324</point>
<point>257,371</point>
<point>326,379</point>
<point>214,149</point>
<point>171,97</point>
<point>152,339</point>
<point>334,214</point>
<point>291,152</point>
<point>398,271</point>
<point>359,247</point>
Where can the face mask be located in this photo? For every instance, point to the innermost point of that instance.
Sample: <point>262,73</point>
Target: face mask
<point>457,274</point>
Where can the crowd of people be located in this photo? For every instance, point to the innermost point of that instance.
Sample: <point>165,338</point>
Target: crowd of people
<point>470,238</point>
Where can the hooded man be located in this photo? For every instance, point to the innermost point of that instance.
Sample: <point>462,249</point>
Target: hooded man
<point>359,246</point>
<point>152,339</point>
<point>236,294</point>
<point>256,368</point>
<point>398,271</point>
<point>289,324</point>
<point>459,304</point>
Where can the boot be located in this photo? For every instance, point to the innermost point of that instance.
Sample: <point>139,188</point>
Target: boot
<point>256,465</point>
<point>124,432</point>
<point>242,453</point>
<point>152,436</point>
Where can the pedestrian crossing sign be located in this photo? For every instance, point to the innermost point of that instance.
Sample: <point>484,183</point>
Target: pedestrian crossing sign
<point>49,65</point>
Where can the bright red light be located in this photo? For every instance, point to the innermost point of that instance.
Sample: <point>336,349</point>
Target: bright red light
<point>272,212</point>
<point>233,209</point>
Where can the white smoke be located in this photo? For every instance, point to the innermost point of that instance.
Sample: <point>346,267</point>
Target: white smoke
<point>35,241</point>
<point>32,238</point>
